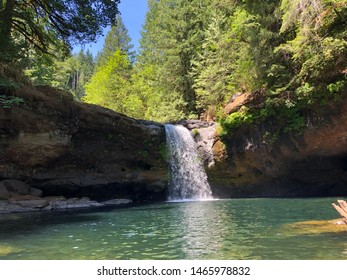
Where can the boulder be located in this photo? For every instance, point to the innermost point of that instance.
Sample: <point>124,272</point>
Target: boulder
<point>4,194</point>
<point>74,203</point>
<point>204,134</point>
<point>35,192</point>
<point>16,187</point>
<point>34,203</point>
<point>20,197</point>
<point>7,207</point>
<point>251,100</point>
<point>115,202</point>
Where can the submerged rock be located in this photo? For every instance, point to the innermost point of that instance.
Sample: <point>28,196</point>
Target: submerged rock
<point>6,250</point>
<point>315,227</point>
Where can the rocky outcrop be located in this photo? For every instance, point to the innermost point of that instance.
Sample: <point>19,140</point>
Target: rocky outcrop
<point>254,163</point>
<point>74,155</point>
<point>66,148</point>
<point>204,134</point>
<point>55,203</point>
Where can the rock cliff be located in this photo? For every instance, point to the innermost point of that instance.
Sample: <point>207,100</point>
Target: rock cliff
<point>63,147</point>
<point>314,163</point>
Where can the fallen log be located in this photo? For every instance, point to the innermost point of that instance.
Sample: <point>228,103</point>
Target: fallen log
<point>341,209</point>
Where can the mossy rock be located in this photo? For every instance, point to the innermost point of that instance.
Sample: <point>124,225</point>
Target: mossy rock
<point>6,250</point>
<point>315,227</point>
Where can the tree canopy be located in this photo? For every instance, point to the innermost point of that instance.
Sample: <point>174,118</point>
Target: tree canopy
<point>194,56</point>
<point>45,22</point>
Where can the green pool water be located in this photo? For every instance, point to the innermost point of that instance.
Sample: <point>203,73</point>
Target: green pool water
<point>221,229</point>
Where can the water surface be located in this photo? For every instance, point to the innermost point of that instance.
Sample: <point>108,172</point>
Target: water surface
<point>222,229</point>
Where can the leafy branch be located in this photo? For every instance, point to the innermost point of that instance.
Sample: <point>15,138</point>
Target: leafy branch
<point>10,101</point>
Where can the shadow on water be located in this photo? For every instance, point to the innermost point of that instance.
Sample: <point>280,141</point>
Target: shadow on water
<point>31,222</point>
<point>21,223</point>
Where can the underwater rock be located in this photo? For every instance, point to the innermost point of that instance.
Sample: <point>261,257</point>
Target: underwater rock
<point>6,250</point>
<point>315,227</point>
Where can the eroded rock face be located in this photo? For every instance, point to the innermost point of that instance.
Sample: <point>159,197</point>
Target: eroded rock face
<point>204,134</point>
<point>251,164</point>
<point>67,148</point>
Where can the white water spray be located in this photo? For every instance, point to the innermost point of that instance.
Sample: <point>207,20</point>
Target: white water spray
<point>188,180</point>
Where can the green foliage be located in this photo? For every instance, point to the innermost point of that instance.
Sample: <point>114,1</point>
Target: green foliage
<point>110,87</point>
<point>164,152</point>
<point>235,120</point>
<point>8,84</point>
<point>68,72</point>
<point>10,101</point>
<point>194,56</point>
<point>172,35</point>
<point>303,66</point>
<point>116,39</point>
<point>210,71</point>
<point>45,22</point>
<point>195,132</point>
<point>106,86</point>
<point>337,87</point>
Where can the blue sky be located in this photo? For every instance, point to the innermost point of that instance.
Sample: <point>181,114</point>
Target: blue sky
<point>133,13</point>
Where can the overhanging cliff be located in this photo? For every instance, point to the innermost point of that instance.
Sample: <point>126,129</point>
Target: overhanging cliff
<point>67,148</point>
<point>252,163</point>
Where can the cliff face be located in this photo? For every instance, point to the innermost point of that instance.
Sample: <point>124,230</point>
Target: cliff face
<point>67,148</point>
<point>314,163</point>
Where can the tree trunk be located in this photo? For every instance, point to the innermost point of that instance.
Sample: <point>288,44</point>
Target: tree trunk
<point>342,209</point>
<point>6,16</point>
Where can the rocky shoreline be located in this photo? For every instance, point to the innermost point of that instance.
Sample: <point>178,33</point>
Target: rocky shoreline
<point>76,155</point>
<point>18,197</point>
<point>75,150</point>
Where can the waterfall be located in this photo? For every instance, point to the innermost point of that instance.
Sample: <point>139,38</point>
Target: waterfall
<point>188,180</point>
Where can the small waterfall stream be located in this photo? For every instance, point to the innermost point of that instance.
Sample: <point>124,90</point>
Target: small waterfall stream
<point>188,180</point>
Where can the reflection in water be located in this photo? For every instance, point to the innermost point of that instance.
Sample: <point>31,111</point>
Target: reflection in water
<point>224,229</point>
<point>202,228</point>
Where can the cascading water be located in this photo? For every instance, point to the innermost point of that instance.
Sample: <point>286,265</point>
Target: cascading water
<point>188,180</point>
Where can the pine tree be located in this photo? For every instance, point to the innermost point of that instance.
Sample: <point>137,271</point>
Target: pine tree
<point>116,38</point>
<point>172,35</point>
<point>212,68</point>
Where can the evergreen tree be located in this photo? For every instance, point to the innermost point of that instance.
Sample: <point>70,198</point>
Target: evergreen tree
<point>212,68</point>
<point>171,37</point>
<point>116,39</point>
<point>66,72</point>
<point>81,72</point>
